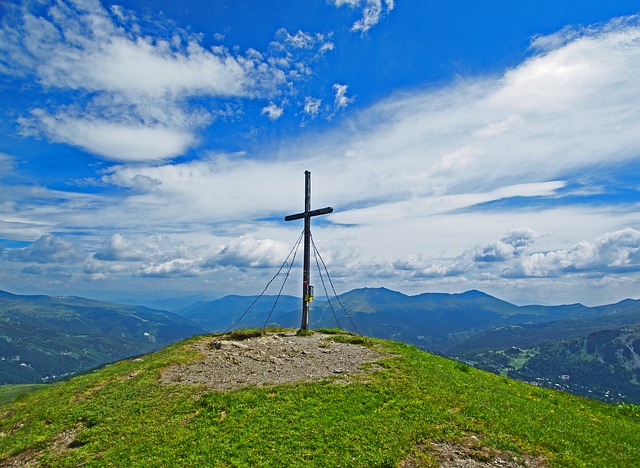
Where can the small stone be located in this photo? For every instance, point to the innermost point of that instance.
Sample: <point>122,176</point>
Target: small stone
<point>239,345</point>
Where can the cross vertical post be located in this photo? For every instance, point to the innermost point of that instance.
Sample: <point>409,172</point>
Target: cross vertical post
<point>306,266</point>
<point>307,214</point>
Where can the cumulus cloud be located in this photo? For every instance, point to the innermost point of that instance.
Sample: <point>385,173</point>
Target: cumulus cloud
<point>512,244</point>
<point>116,248</point>
<point>155,248</point>
<point>312,106</point>
<point>247,251</point>
<point>615,252</point>
<point>513,257</point>
<point>47,249</point>
<point>147,256</point>
<point>273,112</point>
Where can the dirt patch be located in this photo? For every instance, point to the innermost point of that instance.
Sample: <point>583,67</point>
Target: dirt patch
<point>469,454</point>
<point>25,459</point>
<point>273,359</point>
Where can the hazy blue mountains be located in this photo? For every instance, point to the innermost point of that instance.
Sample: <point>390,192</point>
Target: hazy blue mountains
<point>432,321</point>
<point>246,311</point>
<point>44,338</point>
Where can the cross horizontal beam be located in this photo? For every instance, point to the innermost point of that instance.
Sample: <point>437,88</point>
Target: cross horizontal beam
<point>311,213</point>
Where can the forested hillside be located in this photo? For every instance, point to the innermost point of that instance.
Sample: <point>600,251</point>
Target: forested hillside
<point>45,338</point>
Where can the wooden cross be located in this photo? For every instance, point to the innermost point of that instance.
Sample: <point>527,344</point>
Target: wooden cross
<point>307,214</point>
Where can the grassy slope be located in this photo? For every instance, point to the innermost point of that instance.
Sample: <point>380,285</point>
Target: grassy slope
<point>121,415</point>
<point>11,392</point>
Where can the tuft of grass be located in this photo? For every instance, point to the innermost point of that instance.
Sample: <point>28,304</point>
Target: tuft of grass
<point>330,331</point>
<point>274,329</point>
<point>462,367</point>
<point>350,338</point>
<point>630,410</point>
<point>246,333</point>
<point>343,336</point>
<point>302,332</point>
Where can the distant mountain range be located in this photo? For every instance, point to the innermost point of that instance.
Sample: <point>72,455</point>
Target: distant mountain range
<point>592,351</point>
<point>244,311</point>
<point>45,338</point>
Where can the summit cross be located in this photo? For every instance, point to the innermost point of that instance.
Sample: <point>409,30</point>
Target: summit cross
<point>307,214</point>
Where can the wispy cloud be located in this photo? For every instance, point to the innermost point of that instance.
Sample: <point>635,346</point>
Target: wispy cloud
<point>125,94</point>
<point>341,101</point>
<point>372,11</point>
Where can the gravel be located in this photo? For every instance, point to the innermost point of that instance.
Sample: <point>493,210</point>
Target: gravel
<point>272,359</point>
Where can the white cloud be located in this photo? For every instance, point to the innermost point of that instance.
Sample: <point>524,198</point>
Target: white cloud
<point>113,140</point>
<point>116,248</point>
<point>477,136</point>
<point>273,112</point>
<point>47,249</point>
<point>301,40</point>
<point>154,248</point>
<point>179,267</point>
<point>615,252</point>
<point>79,46</point>
<point>372,11</point>
<point>6,164</point>
<point>416,180</point>
<point>341,101</point>
<point>122,92</point>
<point>249,252</point>
<point>312,106</point>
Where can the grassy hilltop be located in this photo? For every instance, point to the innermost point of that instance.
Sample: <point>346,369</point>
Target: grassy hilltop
<point>123,415</point>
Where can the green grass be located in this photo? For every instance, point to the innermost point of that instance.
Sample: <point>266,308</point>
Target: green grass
<point>330,331</point>
<point>246,333</point>
<point>11,392</point>
<point>123,416</point>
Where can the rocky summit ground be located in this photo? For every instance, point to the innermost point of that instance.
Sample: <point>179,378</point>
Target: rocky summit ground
<point>271,359</point>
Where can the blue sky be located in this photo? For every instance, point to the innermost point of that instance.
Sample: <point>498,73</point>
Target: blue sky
<point>152,148</point>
